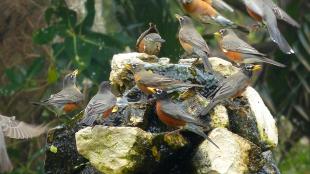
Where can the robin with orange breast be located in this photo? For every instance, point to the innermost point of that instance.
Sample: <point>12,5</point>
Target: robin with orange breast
<point>239,51</point>
<point>175,116</point>
<point>12,128</point>
<point>192,42</point>
<point>267,12</point>
<point>232,87</point>
<point>205,13</point>
<point>68,99</point>
<point>150,41</point>
<point>148,82</point>
<point>101,104</point>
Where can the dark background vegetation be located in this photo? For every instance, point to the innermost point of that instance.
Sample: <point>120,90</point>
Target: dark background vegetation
<point>41,41</point>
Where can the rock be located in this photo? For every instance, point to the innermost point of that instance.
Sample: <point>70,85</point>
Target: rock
<point>270,166</point>
<point>61,154</point>
<point>115,150</point>
<point>254,121</point>
<point>122,150</point>
<point>236,154</point>
<point>218,64</point>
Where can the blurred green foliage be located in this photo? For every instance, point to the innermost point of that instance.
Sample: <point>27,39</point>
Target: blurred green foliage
<point>69,43</point>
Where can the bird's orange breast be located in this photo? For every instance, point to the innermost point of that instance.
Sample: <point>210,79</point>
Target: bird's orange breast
<point>107,113</point>
<point>168,119</point>
<point>69,107</point>
<point>141,46</point>
<point>233,55</point>
<point>254,15</point>
<point>199,8</point>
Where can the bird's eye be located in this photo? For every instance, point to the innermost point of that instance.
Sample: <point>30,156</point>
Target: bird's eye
<point>181,19</point>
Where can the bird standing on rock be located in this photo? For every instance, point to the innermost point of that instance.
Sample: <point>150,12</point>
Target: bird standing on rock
<point>232,87</point>
<point>205,13</point>
<point>101,104</point>
<point>239,51</point>
<point>174,115</point>
<point>192,41</point>
<point>267,12</point>
<point>68,98</point>
<point>148,82</point>
<point>150,41</point>
<point>12,128</point>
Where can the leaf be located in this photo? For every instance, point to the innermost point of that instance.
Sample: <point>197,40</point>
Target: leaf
<point>44,35</point>
<point>35,67</point>
<point>52,75</point>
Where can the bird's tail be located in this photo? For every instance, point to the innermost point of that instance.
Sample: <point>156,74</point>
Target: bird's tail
<point>273,62</point>
<point>89,120</point>
<point>275,34</point>
<point>209,107</point>
<point>199,131</point>
<point>5,163</point>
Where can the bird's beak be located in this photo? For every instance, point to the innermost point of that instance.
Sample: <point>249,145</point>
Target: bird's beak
<point>217,34</point>
<point>257,67</point>
<point>75,72</point>
<point>159,40</point>
<point>177,16</point>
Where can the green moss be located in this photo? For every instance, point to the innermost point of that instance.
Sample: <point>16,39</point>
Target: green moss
<point>297,160</point>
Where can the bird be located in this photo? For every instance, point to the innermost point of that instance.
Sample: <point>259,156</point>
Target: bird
<point>267,12</point>
<point>175,116</point>
<point>192,41</point>
<point>148,82</point>
<point>239,51</point>
<point>150,41</point>
<point>101,104</point>
<point>231,87</point>
<point>203,11</point>
<point>68,98</point>
<point>220,4</point>
<point>12,128</point>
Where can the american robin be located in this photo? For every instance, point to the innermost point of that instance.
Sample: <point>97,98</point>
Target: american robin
<point>192,41</point>
<point>232,87</point>
<point>264,11</point>
<point>148,82</point>
<point>205,13</point>
<point>150,41</point>
<point>220,5</point>
<point>12,128</point>
<point>68,98</point>
<point>239,51</point>
<point>101,104</point>
<point>174,115</point>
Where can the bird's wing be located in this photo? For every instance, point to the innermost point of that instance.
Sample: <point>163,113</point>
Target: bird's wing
<point>192,37</point>
<point>220,4</point>
<point>281,14</point>
<point>67,95</point>
<point>20,130</point>
<point>177,112</point>
<point>231,86</point>
<point>156,80</point>
<point>5,163</point>
<point>233,43</point>
<point>99,104</point>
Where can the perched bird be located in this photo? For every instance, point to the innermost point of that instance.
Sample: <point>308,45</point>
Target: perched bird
<point>12,128</point>
<point>101,104</point>
<point>267,12</point>
<point>68,98</point>
<point>205,13</point>
<point>220,4</point>
<point>232,87</point>
<point>174,115</point>
<point>150,41</point>
<point>148,82</point>
<point>192,41</point>
<point>239,51</point>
